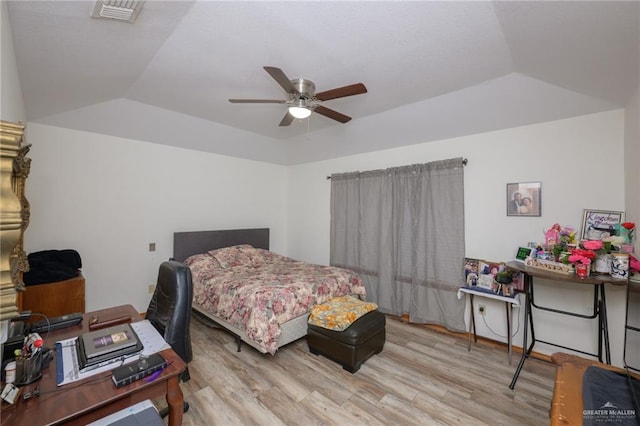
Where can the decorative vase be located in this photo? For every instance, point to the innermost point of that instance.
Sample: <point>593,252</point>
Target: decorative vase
<point>602,264</point>
<point>582,270</point>
<point>627,248</point>
<point>620,265</point>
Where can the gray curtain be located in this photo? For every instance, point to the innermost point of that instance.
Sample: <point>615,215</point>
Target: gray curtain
<point>402,230</point>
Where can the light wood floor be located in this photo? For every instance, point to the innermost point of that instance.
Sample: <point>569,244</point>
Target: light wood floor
<point>422,377</point>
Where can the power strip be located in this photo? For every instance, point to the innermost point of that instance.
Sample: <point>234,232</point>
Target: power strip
<point>64,321</point>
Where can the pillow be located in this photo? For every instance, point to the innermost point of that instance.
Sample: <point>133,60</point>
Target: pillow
<point>201,260</point>
<point>228,257</point>
<point>261,256</point>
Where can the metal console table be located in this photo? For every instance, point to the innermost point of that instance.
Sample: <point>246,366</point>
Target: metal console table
<point>509,302</point>
<point>599,310</point>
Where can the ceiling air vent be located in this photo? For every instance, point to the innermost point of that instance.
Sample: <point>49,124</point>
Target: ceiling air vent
<point>120,10</point>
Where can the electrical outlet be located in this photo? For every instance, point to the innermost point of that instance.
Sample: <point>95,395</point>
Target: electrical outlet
<point>151,288</point>
<point>482,309</point>
<point>152,246</point>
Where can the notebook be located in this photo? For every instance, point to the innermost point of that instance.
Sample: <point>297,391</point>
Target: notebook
<point>97,347</point>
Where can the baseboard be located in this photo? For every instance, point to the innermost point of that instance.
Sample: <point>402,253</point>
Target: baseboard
<point>486,340</point>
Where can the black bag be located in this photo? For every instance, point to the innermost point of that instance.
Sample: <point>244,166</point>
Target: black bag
<point>51,266</point>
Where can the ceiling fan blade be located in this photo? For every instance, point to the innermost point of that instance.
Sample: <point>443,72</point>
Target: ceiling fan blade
<point>335,115</point>
<point>286,120</point>
<point>257,101</point>
<point>341,92</point>
<point>282,79</point>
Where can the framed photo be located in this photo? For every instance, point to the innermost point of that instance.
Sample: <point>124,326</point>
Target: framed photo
<point>507,290</point>
<point>518,280</point>
<point>471,271</point>
<point>524,199</point>
<point>486,281</point>
<point>597,224</point>
<point>486,267</point>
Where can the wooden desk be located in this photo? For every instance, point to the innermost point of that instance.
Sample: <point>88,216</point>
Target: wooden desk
<point>567,403</point>
<point>599,309</point>
<point>82,402</point>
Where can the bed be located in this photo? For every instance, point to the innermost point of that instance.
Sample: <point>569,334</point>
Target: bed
<point>261,297</point>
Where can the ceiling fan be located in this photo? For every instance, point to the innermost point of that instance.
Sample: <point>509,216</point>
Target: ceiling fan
<point>302,99</point>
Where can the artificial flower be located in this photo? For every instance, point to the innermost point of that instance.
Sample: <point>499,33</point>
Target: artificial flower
<point>630,227</point>
<point>583,256</point>
<point>615,240</point>
<point>593,244</point>
<point>600,247</point>
<point>568,234</point>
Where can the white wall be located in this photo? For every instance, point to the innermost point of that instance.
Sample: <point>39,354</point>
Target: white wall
<point>579,162</point>
<point>631,162</point>
<point>109,198</point>
<point>11,103</point>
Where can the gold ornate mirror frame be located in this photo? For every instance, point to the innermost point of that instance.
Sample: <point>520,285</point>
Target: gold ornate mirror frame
<point>14,215</point>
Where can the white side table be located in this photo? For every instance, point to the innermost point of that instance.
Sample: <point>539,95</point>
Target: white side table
<point>509,302</point>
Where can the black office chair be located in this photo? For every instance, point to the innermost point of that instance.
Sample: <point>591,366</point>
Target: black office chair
<point>170,312</point>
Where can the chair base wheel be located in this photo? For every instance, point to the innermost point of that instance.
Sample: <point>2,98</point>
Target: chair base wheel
<point>165,411</point>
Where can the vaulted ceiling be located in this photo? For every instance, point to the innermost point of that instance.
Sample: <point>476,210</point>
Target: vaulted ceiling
<point>433,70</point>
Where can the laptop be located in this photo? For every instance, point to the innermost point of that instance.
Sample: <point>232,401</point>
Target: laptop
<point>98,347</point>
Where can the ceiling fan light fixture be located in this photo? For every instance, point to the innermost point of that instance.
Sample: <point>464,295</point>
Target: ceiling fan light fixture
<point>302,97</point>
<point>299,112</point>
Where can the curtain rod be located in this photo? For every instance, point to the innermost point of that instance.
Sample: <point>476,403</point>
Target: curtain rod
<point>464,163</point>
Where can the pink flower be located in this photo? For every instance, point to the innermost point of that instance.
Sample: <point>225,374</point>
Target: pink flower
<point>576,258</point>
<point>581,256</point>
<point>592,244</point>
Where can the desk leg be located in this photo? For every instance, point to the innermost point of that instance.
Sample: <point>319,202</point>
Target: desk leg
<point>605,324</point>
<point>175,401</point>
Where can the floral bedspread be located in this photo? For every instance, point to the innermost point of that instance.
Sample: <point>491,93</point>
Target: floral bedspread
<point>257,290</point>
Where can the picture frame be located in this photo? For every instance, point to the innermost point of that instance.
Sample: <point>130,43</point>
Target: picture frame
<point>486,267</point>
<point>486,281</point>
<point>524,199</point>
<point>471,271</point>
<point>518,281</point>
<point>596,223</point>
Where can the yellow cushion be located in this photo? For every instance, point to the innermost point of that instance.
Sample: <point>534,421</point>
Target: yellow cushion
<point>339,312</point>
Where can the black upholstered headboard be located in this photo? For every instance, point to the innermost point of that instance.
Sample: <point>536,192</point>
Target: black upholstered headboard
<point>187,244</point>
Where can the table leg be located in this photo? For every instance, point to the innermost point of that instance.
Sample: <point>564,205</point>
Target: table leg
<point>528,318</point>
<point>605,324</point>
<point>508,307</point>
<point>175,401</point>
<point>470,322</point>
